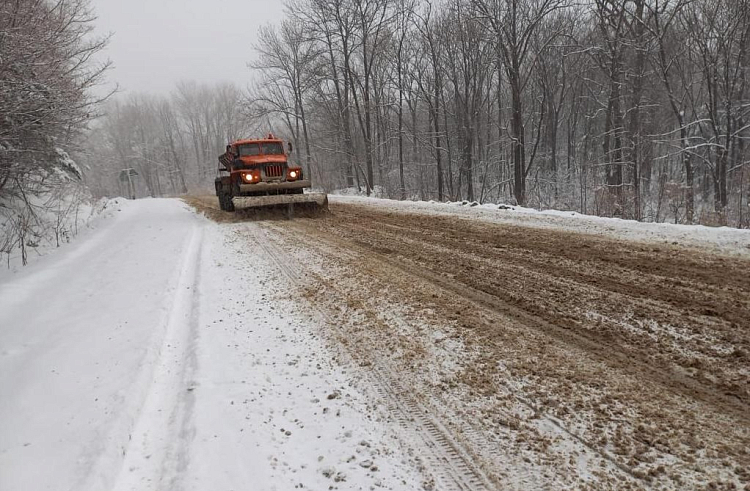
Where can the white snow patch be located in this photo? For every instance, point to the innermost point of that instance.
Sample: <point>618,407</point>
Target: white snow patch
<point>159,352</point>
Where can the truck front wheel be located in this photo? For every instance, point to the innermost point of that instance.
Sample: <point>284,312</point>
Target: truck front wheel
<point>225,197</point>
<point>225,201</point>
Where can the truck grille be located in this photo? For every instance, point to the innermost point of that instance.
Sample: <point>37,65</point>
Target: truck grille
<point>274,170</point>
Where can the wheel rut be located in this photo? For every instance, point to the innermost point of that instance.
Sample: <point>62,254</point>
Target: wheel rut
<point>155,454</point>
<point>599,347</point>
<point>449,463</point>
<point>481,301</point>
<point>629,358</point>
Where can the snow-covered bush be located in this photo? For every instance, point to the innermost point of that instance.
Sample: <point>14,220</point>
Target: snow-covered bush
<point>46,73</point>
<point>44,210</point>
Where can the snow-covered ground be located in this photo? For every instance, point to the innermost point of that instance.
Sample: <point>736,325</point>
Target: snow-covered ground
<point>724,240</point>
<point>158,352</point>
<point>46,219</point>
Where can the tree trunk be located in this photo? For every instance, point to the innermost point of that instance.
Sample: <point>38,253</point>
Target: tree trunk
<point>688,164</point>
<point>519,143</point>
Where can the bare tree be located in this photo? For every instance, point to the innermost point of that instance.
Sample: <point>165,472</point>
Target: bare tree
<point>289,59</point>
<point>720,36</point>
<point>46,71</point>
<point>515,22</point>
<point>675,69</point>
<point>546,102</point>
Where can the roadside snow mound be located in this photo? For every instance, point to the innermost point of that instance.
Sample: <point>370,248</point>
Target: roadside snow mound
<point>37,225</point>
<point>43,208</point>
<point>724,240</point>
<point>377,192</point>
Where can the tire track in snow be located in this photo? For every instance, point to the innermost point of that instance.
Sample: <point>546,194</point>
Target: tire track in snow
<point>451,464</point>
<point>591,343</point>
<point>522,478</point>
<point>157,446</point>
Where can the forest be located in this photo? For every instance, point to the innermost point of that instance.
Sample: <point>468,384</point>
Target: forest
<point>635,109</point>
<point>625,108</point>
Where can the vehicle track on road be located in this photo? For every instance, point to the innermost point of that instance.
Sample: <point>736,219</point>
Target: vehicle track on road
<point>604,351</point>
<point>479,441</point>
<point>600,347</point>
<point>448,461</point>
<point>593,338</point>
<point>155,455</point>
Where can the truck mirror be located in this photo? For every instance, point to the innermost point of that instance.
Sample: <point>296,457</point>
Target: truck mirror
<point>289,144</point>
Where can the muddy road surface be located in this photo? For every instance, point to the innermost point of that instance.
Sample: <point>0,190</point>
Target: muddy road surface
<point>538,359</point>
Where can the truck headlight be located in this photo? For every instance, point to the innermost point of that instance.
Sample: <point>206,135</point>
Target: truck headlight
<point>293,174</point>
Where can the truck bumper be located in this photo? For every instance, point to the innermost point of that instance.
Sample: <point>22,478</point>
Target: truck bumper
<point>274,186</point>
<point>244,202</point>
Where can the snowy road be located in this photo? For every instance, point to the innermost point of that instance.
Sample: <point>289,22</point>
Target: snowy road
<point>615,358</point>
<point>402,346</point>
<point>159,352</point>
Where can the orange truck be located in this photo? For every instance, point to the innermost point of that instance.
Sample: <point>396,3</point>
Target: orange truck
<point>256,173</point>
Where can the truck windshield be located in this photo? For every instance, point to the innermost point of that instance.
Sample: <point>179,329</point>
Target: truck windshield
<point>248,149</point>
<point>272,148</point>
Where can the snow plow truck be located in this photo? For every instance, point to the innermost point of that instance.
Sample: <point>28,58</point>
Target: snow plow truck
<point>256,173</point>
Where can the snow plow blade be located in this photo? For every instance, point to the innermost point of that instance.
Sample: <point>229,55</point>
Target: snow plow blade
<point>310,201</point>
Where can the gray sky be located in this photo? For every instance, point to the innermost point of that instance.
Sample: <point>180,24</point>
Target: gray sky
<point>157,43</point>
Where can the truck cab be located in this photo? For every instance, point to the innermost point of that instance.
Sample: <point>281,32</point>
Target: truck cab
<point>256,168</point>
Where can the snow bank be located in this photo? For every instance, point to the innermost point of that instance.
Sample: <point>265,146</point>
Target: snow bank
<point>724,240</point>
<point>28,232</point>
<point>43,210</point>
<point>376,192</point>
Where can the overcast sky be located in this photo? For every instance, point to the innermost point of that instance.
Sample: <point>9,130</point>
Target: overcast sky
<point>157,43</point>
